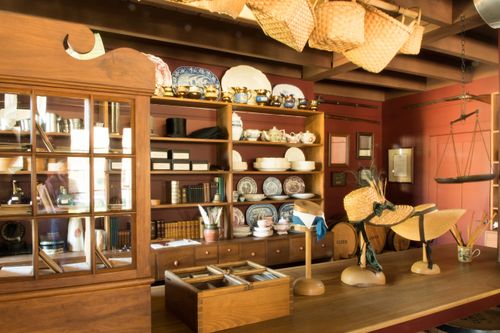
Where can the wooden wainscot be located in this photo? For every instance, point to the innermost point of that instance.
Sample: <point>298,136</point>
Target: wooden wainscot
<point>217,297</point>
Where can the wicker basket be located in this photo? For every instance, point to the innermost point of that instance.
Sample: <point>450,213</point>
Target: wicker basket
<point>414,42</point>
<point>288,21</point>
<point>340,26</point>
<point>232,8</point>
<point>384,36</point>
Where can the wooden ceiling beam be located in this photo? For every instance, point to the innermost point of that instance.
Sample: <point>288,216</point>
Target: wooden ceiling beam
<point>474,49</point>
<point>433,11</point>
<point>372,94</point>
<point>383,80</point>
<point>472,20</point>
<point>175,27</point>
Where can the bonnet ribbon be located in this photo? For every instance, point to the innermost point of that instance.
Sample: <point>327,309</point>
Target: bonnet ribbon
<point>428,251</point>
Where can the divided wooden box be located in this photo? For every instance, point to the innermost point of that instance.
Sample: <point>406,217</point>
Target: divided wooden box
<point>217,297</point>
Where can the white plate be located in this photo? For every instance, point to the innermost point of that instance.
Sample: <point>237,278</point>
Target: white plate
<point>237,156</point>
<point>295,154</point>
<point>238,217</point>
<point>293,185</point>
<point>247,185</point>
<point>245,76</point>
<point>288,89</point>
<point>271,169</point>
<point>278,197</point>
<point>303,195</point>
<point>238,235</point>
<point>272,186</point>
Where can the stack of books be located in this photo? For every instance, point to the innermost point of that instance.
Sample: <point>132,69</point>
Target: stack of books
<point>161,229</point>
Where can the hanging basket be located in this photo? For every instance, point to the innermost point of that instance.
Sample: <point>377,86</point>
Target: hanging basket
<point>384,36</point>
<point>232,8</point>
<point>340,26</point>
<point>414,42</point>
<point>288,21</point>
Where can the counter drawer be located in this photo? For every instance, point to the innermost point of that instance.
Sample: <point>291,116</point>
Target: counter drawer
<point>204,252</point>
<point>324,247</point>
<point>297,249</point>
<point>229,252</point>
<point>277,251</point>
<point>175,258</point>
<point>254,251</point>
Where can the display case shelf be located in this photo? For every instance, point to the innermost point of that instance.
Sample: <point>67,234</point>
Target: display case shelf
<point>186,140</point>
<point>281,144</point>
<point>187,172</point>
<point>188,205</point>
<point>277,172</point>
<point>268,201</point>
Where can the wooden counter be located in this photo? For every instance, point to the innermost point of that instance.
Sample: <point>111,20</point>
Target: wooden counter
<point>407,303</point>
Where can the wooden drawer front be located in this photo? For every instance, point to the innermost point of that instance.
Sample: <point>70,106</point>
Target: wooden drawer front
<point>229,252</point>
<point>205,252</point>
<point>254,251</point>
<point>177,258</point>
<point>297,249</point>
<point>323,248</point>
<point>277,252</point>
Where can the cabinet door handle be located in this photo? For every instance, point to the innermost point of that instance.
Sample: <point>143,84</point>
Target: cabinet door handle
<point>228,250</point>
<point>301,248</point>
<point>323,245</point>
<point>278,251</point>
<point>252,254</point>
<point>176,263</point>
<point>206,252</point>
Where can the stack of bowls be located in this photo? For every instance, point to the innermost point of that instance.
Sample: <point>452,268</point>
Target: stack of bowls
<point>303,165</point>
<point>263,229</point>
<point>271,164</point>
<point>240,166</point>
<point>241,231</point>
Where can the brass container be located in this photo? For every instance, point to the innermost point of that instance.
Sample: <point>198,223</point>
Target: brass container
<point>211,92</point>
<point>181,91</point>
<point>227,97</point>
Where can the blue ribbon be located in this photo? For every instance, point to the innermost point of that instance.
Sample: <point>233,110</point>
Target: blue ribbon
<point>319,222</point>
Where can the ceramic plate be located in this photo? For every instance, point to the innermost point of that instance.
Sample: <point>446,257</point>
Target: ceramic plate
<point>238,217</point>
<point>278,197</point>
<point>303,195</point>
<point>295,154</point>
<point>286,211</point>
<point>247,185</point>
<point>245,76</point>
<point>272,186</point>
<point>163,76</point>
<point>288,89</point>
<point>259,211</point>
<point>294,184</point>
<point>195,76</point>
<point>236,156</point>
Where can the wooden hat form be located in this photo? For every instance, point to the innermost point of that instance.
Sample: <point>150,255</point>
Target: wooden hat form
<point>435,223</point>
<point>307,286</point>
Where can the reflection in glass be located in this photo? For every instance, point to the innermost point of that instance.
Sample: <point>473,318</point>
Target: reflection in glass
<point>15,122</point>
<point>112,184</point>
<point>16,249</point>
<point>113,241</point>
<point>15,192</point>
<point>112,123</point>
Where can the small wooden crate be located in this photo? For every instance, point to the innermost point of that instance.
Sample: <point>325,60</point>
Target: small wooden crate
<point>217,297</point>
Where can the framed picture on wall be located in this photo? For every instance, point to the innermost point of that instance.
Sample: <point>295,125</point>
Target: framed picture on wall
<point>339,149</point>
<point>364,146</point>
<point>401,165</point>
<point>339,178</point>
<point>364,174</point>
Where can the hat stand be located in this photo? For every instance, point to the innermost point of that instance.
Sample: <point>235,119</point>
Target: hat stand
<point>307,286</point>
<point>359,275</point>
<point>421,266</point>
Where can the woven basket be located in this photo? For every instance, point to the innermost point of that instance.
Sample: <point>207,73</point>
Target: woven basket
<point>232,8</point>
<point>414,42</point>
<point>288,21</point>
<point>340,26</point>
<point>384,36</point>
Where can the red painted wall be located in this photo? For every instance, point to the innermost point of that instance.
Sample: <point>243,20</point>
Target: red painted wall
<point>427,129</point>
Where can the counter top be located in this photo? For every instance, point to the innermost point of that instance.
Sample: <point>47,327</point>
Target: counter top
<point>408,302</point>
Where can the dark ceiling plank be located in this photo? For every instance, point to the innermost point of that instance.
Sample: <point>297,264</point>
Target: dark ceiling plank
<point>340,65</point>
<point>169,26</point>
<point>336,89</point>
<point>470,22</point>
<point>383,80</point>
<point>474,49</point>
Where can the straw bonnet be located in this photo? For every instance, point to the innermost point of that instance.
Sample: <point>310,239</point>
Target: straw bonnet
<point>369,205</point>
<point>435,222</point>
<point>307,214</point>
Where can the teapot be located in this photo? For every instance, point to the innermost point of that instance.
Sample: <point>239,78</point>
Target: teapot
<point>293,137</point>
<point>273,135</point>
<point>307,137</point>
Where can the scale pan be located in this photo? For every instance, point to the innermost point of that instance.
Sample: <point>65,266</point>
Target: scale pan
<point>466,179</point>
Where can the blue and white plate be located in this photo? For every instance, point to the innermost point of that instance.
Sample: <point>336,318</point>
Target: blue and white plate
<point>286,211</point>
<point>260,211</point>
<point>195,76</point>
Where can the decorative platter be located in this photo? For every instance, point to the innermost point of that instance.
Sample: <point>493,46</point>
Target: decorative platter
<point>294,184</point>
<point>247,185</point>
<point>238,217</point>
<point>272,186</point>
<point>288,89</point>
<point>245,76</point>
<point>286,211</point>
<point>259,211</point>
<point>294,154</point>
<point>195,76</point>
<point>163,76</point>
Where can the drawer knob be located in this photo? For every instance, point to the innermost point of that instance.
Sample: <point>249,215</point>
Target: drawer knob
<point>176,263</point>
<point>228,250</point>
<point>252,254</point>
<point>323,245</point>
<point>278,251</point>
<point>301,248</point>
<point>206,252</point>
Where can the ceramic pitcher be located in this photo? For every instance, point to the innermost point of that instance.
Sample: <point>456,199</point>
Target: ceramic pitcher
<point>237,126</point>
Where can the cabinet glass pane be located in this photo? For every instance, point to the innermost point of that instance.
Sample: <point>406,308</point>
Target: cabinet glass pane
<point>63,185</point>
<point>62,124</point>
<point>113,241</point>
<point>112,184</point>
<point>112,127</point>
<point>64,245</point>
<point>15,122</point>
<point>16,241</point>
<point>15,185</point>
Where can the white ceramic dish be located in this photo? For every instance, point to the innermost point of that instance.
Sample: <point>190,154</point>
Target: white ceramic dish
<point>288,89</point>
<point>262,234</point>
<point>245,76</point>
<point>294,154</point>
<point>240,166</point>
<point>272,186</point>
<point>303,195</point>
<point>278,197</point>
<point>238,218</point>
<point>254,197</point>
<point>303,165</point>
<point>236,156</point>
<point>293,184</point>
<point>269,169</point>
<point>247,185</point>
<point>241,235</point>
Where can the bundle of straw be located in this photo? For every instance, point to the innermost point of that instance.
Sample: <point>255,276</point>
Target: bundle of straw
<point>472,235</point>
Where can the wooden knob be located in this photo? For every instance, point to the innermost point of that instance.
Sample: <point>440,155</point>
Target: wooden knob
<point>206,252</point>
<point>228,250</point>
<point>278,251</point>
<point>252,254</point>
<point>323,245</point>
<point>301,248</point>
<point>176,263</point>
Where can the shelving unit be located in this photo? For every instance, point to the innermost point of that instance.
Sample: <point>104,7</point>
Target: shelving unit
<point>273,250</point>
<point>491,236</point>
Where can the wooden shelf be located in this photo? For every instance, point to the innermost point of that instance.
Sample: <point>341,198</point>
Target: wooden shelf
<point>281,144</point>
<point>22,172</point>
<point>278,172</point>
<point>188,102</point>
<point>186,140</point>
<point>187,172</point>
<point>188,205</point>
<point>266,201</point>
<point>9,132</point>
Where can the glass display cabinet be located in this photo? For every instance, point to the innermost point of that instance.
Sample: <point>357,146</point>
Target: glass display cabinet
<point>73,231</point>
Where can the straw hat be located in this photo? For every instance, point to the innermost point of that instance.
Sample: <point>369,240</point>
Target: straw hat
<point>366,201</point>
<point>308,207</point>
<point>436,222</point>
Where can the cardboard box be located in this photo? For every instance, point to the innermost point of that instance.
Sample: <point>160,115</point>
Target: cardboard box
<point>213,298</point>
<point>178,154</point>
<point>181,165</point>
<point>157,154</point>
<point>200,166</point>
<point>161,164</point>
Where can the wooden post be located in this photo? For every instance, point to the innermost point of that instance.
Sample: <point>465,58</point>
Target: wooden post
<point>307,286</point>
<point>308,254</point>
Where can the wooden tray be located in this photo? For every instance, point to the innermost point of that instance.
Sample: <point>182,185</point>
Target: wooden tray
<point>218,297</point>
